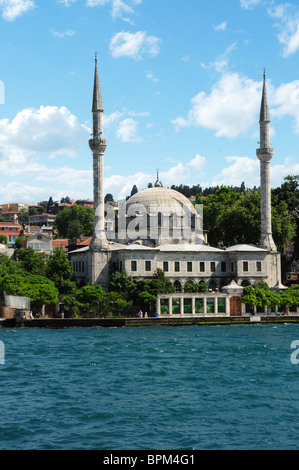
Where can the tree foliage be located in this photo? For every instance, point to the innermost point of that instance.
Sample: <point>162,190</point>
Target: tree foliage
<point>261,295</point>
<point>74,221</point>
<point>31,261</point>
<point>59,270</point>
<point>39,289</point>
<point>234,217</point>
<point>3,239</point>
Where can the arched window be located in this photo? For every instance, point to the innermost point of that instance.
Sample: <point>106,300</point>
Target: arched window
<point>213,285</point>
<point>178,286</point>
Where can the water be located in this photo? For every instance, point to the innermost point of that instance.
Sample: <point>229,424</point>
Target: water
<point>152,388</point>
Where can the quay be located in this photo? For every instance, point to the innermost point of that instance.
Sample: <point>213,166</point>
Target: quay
<point>59,323</point>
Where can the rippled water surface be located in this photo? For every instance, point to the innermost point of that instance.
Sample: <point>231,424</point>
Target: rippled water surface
<point>152,388</point>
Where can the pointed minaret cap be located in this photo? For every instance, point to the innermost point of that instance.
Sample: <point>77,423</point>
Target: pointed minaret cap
<point>97,103</point>
<point>158,183</point>
<point>264,114</point>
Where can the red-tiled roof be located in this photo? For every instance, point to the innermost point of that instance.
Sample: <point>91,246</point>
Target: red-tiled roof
<point>10,224</point>
<point>60,242</point>
<point>85,242</point>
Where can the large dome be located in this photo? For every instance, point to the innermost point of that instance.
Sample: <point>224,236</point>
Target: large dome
<point>158,215</point>
<point>161,199</point>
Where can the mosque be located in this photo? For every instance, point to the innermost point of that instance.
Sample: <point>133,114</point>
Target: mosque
<point>160,228</point>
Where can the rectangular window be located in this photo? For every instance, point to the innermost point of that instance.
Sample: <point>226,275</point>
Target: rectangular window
<point>164,306</point>
<point>189,266</point>
<point>133,265</point>
<point>210,305</point>
<point>199,306</point>
<point>232,266</point>
<point>258,266</point>
<point>202,266</point>
<point>223,266</point>
<point>221,305</point>
<point>245,266</point>
<point>213,266</point>
<point>148,266</point>
<point>177,266</point>
<point>188,306</point>
<point>165,266</point>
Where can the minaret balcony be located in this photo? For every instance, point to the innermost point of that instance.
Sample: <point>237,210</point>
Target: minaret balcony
<point>98,145</point>
<point>265,154</point>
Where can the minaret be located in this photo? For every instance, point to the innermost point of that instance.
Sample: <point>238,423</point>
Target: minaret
<point>98,146</point>
<point>264,154</point>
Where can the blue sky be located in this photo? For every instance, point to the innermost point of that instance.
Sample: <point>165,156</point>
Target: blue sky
<point>181,85</point>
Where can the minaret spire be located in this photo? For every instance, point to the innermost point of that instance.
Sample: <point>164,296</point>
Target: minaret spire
<point>98,146</point>
<point>158,183</point>
<point>264,154</point>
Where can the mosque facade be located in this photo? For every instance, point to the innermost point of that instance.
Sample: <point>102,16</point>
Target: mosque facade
<point>159,228</point>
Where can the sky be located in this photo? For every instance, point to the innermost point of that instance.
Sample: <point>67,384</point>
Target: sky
<point>181,84</point>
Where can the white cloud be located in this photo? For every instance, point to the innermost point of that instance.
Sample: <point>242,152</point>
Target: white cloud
<point>134,45</point>
<point>249,3</point>
<point>239,169</point>
<point>287,18</point>
<point>123,126</point>
<point>119,7</point>
<point>11,9</point>
<point>121,186</point>
<point>230,109</point>
<point>221,62</point>
<point>67,33</point>
<point>247,169</point>
<point>221,27</point>
<point>198,163</point>
<point>286,101</point>
<point>49,129</point>
<point>150,76</point>
<point>128,131</point>
<point>28,141</point>
<point>67,3</point>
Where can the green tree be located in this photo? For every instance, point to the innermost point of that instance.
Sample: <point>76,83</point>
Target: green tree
<point>39,289</point>
<point>31,261</point>
<point>123,284</point>
<point>59,270</point>
<point>109,198</point>
<point>23,217</point>
<point>3,239</point>
<point>288,193</point>
<point>19,241</point>
<point>234,217</point>
<point>71,306</point>
<point>50,203</point>
<point>9,266</point>
<point>91,300</point>
<point>74,221</point>
<point>191,286</point>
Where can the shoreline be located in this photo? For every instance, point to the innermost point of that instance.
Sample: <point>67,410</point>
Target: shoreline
<point>59,323</point>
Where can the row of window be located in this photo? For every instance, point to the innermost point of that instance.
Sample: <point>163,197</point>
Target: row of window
<point>191,266</point>
<point>78,266</point>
